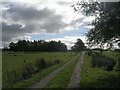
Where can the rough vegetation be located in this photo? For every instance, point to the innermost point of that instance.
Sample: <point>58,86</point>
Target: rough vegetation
<point>99,77</point>
<point>102,61</point>
<point>26,71</point>
<point>21,69</point>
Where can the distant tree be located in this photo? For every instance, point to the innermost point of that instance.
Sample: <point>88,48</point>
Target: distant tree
<point>5,48</point>
<point>40,45</point>
<point>12,46</point>
<point>79,46</point>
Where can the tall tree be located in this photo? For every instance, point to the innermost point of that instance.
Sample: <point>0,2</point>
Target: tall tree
<point>107,22</point>
<point>79,46</point>
<point>12,46</point>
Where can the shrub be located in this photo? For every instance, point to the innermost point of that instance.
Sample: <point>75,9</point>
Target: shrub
<point>103,62</point>
<point>27,70</point>
<point>40,64</point>
<point>57,61</point>
<point>89,52</point>
<point>119,64</point>
<point>13,76</point>
<point>50,63</point>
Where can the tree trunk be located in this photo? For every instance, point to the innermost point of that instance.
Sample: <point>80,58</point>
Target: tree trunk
<point>119,64</point>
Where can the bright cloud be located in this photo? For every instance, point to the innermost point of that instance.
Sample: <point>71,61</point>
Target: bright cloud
<point>70,40</point>
<point>25,17</point>
<point>89,27</point>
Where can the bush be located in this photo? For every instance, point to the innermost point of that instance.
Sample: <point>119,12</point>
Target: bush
<point>24,72</point>
<point>50,63</point>
<point>57,61</point>
<point>40,64</point>
<point>89,52</point>
<point>13,76</point>
<point>103,62</point>
<point>27,70</point>
<point>119,64</point>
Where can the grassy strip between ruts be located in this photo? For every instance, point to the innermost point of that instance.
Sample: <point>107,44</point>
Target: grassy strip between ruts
<point>96,77</point>
<point>63,78</point>
<point>36,77</point>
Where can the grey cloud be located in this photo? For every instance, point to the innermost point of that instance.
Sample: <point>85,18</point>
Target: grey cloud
<point>35,21</point>
<point>28,13</point>
<point>80,20</point>
<point>65,3</point>
<point>10,31</point>
<point>54,24</point>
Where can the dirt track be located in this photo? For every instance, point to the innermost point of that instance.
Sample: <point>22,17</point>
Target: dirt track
<point>43,82</point>
<point>75,79</point>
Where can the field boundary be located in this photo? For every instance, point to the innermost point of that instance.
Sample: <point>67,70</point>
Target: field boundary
<point>43,82</point>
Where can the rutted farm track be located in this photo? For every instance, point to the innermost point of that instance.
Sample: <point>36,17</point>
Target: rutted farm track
<point>49,77</point>
<point>44,81</point>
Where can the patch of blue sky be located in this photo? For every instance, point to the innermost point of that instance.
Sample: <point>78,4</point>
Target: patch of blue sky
<point>10,5</point>
<point>80,31</point>
<point>7,5</point>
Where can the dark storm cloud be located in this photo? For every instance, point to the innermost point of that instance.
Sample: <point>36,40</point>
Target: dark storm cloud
<point>34,21</point>
<point>10,31</point>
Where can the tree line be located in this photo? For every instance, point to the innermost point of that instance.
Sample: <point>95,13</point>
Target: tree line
<point>37,45</point>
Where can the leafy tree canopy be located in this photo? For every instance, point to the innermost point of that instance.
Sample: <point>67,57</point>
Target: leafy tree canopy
<point>39,45</point>
<point>79,46</point>
<point>106,25</point>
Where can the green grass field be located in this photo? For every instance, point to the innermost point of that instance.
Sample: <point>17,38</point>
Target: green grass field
<point>91,77</point>
<point>15,61</point>
<point>94,77</point>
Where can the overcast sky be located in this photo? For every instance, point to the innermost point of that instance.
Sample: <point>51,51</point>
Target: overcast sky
<point>43,20</point>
